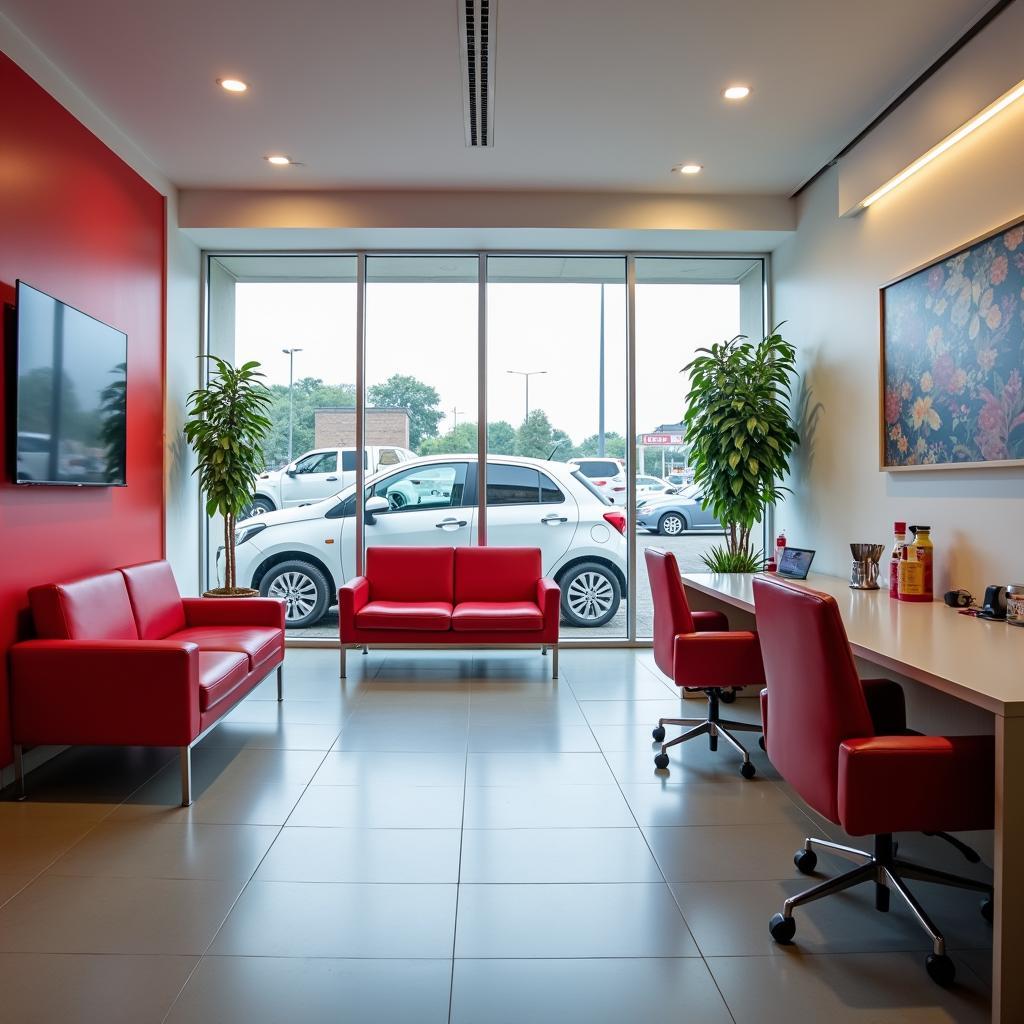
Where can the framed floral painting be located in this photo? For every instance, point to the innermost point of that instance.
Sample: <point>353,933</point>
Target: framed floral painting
<point>953,359</point>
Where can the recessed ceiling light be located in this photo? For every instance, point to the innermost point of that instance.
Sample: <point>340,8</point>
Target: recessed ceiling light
<point>691,169</point>
<point>278,160</point>
<point>737,92</point>
<point>232,84</point>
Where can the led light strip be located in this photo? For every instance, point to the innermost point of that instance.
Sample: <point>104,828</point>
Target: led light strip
<point>947,143</point>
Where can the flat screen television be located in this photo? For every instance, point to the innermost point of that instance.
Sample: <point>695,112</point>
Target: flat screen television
<point>71,377</point>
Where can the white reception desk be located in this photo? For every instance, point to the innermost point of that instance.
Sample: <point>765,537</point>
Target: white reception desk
<point>978,662</point>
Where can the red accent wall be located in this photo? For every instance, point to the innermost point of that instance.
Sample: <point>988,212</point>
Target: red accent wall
<point>78,223</point>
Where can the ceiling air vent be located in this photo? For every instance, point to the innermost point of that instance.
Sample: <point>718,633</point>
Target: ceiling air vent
<point>477,19</point>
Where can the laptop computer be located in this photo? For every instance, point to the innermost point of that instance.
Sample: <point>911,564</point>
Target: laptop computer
<point>795,563</point>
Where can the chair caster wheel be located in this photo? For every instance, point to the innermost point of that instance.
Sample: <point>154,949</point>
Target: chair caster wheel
<point>986,908</point>
<point>658,734</point>
<point>661,761</point>
<point>727,696</point>
<point>761,743</point>
<point>782,929</point>
<point>747,770</point>
<point>806,861</point>
<point>940,969</point>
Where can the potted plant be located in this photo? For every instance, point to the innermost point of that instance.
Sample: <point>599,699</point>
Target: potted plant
<point>740,432</point>
<point>226,426</point>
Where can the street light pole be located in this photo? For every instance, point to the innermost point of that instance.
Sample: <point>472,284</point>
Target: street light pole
<point>290,353</point>
<point>600,383</point>
<point>526,375</point>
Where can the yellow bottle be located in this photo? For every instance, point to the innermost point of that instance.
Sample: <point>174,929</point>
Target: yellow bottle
<point>924,552</point>
<point>911,577</point>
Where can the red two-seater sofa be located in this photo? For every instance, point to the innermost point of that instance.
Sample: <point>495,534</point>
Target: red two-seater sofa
<point>450,597</point>
<point>121,658</point>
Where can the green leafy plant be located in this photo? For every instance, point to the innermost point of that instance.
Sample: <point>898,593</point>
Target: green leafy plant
<point>226,427</point>
<point>720,559</point>
<point>740,432</point>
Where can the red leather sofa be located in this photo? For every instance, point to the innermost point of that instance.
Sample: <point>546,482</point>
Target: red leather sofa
<point>450,597</point>
<point>123,659</point>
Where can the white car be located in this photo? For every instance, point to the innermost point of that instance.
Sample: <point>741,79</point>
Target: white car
<point>304,554</point>
<point>607,475</point>
<point>647,486</point>
<point>318,474</point>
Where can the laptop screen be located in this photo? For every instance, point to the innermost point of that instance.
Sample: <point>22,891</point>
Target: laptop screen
<point>796,563</point>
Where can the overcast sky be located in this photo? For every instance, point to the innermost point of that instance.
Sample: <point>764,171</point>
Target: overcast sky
<point>429,332</point>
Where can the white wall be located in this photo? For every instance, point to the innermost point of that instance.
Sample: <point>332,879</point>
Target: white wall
<point>826,282</point>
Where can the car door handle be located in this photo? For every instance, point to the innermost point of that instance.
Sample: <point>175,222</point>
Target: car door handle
<point>451,524</point>
<point>552,519</point>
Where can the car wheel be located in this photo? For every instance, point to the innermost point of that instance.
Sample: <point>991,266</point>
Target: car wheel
<point>257,507</point>
<point>671,524</point>
<point>590,594</point>
<point>303,588</point>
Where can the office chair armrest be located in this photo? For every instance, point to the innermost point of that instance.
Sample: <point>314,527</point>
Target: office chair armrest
<point>702,660</point>
<point>710,622</point>
<point>916,784</point>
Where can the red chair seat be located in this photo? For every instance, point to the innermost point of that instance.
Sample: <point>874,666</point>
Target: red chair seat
<point>260,643</point>
<point>220,674</point>
<point>422,616</point>
<point>485,616</point>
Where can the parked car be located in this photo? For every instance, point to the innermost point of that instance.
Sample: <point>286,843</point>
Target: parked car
<point>674,514</point>
<point>304,554</point>
<point>607,475</point>
<point>648,487</point>
<point>316,475</point>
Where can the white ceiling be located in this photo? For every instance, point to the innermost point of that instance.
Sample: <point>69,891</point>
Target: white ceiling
<point>590,94</point>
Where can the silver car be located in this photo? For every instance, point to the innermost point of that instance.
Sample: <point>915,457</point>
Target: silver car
<point>674,514</point>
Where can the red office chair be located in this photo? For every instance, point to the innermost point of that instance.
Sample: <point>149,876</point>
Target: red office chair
<point>697,652</point>
<point>843,745</point>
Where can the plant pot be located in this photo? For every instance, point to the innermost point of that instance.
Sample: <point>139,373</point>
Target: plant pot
<point>232,592</point>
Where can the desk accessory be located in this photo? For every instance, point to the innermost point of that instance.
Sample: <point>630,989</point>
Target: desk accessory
<point>864,571</point>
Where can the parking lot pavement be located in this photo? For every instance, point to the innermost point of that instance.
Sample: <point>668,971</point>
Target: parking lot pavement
<point>688,549</point>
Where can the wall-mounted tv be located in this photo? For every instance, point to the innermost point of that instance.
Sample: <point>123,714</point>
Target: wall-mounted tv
<point>70,395</point>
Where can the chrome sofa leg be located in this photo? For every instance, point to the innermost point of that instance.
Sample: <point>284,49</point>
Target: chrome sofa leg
<point>554,662</point>
<point>19,772</point>
<point>280,683</point>
<point>185,755</point>
<point>342,674</point>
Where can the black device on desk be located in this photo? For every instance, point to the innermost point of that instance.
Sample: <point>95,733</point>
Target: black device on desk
<point>795,563</point>
<point>994,606</point>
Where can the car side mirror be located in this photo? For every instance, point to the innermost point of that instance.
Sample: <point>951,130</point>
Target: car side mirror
<point>291,470</point>
<point>372,507</point>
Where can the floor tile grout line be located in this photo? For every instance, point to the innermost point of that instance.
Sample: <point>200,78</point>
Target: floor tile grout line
<point>665,881</point>
<point>458,879</point>
<point>246,884</point>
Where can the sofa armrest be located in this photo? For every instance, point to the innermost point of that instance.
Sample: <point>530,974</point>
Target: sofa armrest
<point>105,692</point>
<point>234,611</point>
<point>703,660</point>
<point>549,597</point>
<point>916,784</point>
<point>353,596</point>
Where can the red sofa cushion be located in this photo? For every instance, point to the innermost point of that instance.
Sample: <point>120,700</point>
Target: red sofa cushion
<point>259,643</point>
<point>410,574</point>
<point>485,616</point>
<point>424,616</point>
<point>220,674</point>
<point>155,599</point>
<point>496,574</point>
<point>92,608</point>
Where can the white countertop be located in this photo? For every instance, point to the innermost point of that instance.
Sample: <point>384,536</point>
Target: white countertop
<point>972,659</point>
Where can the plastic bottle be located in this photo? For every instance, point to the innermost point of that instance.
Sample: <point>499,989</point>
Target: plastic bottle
<point>911,577</point>
<point>780,546</point>
<point>924,552</point>
<point>900,532</point>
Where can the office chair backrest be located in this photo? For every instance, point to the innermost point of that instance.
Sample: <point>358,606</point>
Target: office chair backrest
<point>815,698</point>
<point>671,610</point>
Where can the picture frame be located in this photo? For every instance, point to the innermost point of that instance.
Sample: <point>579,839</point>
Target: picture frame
<point>951,359</point>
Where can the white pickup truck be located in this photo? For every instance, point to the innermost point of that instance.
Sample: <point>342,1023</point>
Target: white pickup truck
<point>319,474</point>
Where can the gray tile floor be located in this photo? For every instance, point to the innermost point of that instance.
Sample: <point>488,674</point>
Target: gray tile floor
<point>447,838</point>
